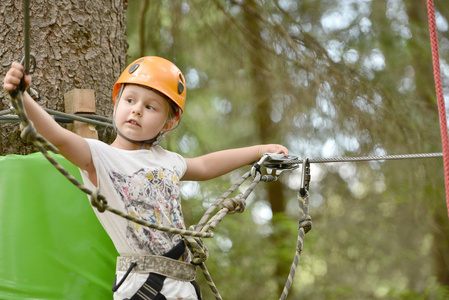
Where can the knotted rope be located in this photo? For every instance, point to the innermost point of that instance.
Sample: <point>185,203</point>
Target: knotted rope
<point>305,225</point>
<point>226,206</point>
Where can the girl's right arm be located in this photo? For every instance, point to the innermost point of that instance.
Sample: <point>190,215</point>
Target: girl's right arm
<point>70,145</point>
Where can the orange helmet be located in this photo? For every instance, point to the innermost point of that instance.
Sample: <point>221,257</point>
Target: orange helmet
<point>156,73</point>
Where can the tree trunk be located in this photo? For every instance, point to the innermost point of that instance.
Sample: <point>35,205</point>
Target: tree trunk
<point>425,90</point>
<point>77,44</point>
<point>267,129</point>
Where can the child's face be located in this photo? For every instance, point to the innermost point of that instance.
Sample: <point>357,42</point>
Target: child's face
<point>141,113</point>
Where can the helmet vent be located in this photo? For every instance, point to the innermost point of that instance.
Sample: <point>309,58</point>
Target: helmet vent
<point>133,68</point>
<point>180,87</point>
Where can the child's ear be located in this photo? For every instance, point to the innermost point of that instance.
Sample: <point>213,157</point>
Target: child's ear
<point>170,123</point>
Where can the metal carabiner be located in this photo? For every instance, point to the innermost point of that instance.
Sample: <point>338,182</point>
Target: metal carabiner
<point>31,66</point>
<point>256,167</point>
<point>305,177</point>
<point>281,163</point>
<point>29,69</point>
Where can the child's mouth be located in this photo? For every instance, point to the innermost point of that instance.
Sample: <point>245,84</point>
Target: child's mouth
<point>133,122</point>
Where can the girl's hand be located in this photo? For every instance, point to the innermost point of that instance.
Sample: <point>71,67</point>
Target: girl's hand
<point>14,76</point>
<point>272,148</point>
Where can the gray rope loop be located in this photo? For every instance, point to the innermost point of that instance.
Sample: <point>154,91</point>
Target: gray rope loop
<point>28,132</point>
<point>197,248</point>
<point>234,205</point>
<point>98,200</point>
<point>305,222</point>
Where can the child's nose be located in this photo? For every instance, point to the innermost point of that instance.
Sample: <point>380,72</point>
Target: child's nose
<point>137,110</point>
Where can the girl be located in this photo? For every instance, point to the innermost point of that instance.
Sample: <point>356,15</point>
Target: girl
<point>139,177</point>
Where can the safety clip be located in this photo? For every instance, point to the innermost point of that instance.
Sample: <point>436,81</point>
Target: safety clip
<point>30,66</point>
<point>256,167</point>
<point>305,177</point>
<point>275,164</point>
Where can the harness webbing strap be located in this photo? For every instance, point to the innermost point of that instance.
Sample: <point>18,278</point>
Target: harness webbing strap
<point>151,289</point>
<point>162,265</point>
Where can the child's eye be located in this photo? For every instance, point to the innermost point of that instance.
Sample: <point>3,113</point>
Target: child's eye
<point>149,107</point>
<point>130,100</point>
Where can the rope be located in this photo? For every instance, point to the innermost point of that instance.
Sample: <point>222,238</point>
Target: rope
<point>26,35</point>
<point>305,225</point>
<point>5,112</point>
<point>294,161</point>
<point>439,94</point>
<point>203,224</point>
<point>226,206</point>
<point>94,120</point>
<point>86,118</point>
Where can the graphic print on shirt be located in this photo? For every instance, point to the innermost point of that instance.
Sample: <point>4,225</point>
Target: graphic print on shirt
<point>151,195</point>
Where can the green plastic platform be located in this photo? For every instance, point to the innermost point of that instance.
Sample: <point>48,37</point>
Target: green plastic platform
<point>51,243</point>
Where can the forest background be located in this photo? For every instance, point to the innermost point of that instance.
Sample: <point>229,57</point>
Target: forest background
<point>324,78</point>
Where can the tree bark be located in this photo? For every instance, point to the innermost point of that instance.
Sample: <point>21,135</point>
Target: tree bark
<point>77,44</point>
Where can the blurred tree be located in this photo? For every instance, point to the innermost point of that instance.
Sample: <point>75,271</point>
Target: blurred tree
<point>326,78</point>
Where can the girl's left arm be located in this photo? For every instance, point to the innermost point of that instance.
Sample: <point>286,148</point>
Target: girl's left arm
<point>219,163</point>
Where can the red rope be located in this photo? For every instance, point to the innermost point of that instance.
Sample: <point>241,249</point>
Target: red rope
<point>439,93</point>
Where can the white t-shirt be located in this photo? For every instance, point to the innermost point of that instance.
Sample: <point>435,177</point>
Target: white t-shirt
<point>143,183</point>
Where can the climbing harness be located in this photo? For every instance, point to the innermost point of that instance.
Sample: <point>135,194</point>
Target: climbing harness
<point>274,164</point>
<point>158,264</point>
<point>159,268</point>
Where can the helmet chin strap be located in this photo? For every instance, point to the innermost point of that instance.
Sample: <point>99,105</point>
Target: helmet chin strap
<point>152,142</point>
